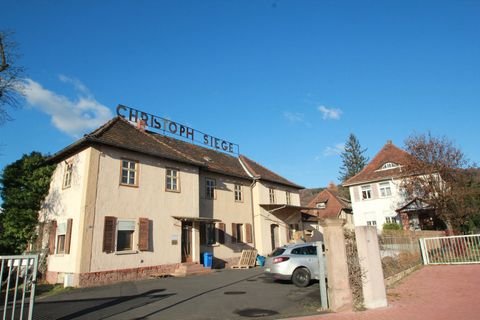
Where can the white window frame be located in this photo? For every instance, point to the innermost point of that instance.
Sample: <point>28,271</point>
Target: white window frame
<point>385,189</point>
<point>130,180</point>
<point>372,223</point>
<point>61,232</point>
<point>210,187</point>
<point>390,220</point>
<point>271,195</point>
<point>172,180</point>
<point>366,192</point>
<point>67,175</point>
<point>320,205</point>
<point>238,193</point>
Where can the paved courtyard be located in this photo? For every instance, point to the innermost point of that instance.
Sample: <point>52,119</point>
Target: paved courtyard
<point>227,294</point>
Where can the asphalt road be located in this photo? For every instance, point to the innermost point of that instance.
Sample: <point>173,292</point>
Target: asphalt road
<point>224,294</point>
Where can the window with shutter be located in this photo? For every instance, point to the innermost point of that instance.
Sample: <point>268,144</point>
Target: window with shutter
<point>144,235</point>
<point>221,233</point>
<point>51,237</point>
<point>109,231</point>
<point>248,231</point>
<point>234,232</point>
<point>68,236</point>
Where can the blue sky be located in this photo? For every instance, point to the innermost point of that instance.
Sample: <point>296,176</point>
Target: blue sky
<point>286,80</point>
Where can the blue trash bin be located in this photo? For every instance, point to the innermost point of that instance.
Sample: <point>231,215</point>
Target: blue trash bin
<point>260,261</point>
<point>207,259</point>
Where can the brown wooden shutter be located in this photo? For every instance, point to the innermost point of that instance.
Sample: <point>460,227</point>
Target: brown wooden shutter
<point>234,232</point>
<point>221,232</point>
<point>248,231</point>
<point>289,238</point>
<point>68,236</point>
<point>109,234</point>
<point>144,234</point>
<point>52,236</point>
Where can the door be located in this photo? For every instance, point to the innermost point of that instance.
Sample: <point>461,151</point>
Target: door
<point>186,241</point>
<point>274,234</point>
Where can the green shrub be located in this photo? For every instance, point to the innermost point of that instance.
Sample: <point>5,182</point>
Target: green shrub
<point>392,226</point>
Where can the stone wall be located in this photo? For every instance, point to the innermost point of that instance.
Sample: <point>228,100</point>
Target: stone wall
<point>101,278</point>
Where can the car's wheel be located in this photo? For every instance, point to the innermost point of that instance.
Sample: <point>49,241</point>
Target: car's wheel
<point>301,277</point>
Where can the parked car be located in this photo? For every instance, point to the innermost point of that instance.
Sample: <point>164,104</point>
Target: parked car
<point>295,262</point>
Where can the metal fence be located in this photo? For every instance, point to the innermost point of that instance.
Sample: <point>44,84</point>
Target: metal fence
<point>451,250</point>
<point>18,275</point>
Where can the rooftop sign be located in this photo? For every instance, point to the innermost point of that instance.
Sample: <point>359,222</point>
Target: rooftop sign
<point>166,126</point>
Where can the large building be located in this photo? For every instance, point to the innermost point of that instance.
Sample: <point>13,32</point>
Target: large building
<point>375,192</point>
<point>377,196</point>
<point>124,200</point>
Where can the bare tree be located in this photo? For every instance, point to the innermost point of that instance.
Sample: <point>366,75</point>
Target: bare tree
<point>11,83</point>
<point>439,173</point>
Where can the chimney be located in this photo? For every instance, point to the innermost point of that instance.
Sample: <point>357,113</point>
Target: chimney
<point>332,186</point>
<point>389,141</point>
<point>141,125</point>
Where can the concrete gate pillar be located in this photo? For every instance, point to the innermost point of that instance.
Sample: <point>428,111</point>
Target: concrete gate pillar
<point>339,292</point>
<point>374,293</point>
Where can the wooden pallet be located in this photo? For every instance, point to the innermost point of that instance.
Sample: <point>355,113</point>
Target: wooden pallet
<point>247,260</point>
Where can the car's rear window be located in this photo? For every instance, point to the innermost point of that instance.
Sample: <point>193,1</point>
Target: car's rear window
<point>277,252</point>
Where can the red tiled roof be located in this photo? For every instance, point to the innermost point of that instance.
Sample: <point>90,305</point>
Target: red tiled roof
<point>334,204</point>
<point>119,133</point>
<point>260,172</point>
<point>372,172</point>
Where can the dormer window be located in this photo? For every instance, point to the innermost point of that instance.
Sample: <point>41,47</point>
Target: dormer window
<point>321,205</point>
<point>389,165</point>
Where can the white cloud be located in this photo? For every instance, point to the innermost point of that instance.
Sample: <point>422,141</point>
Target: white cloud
<point>334,150</point>
<point>72,116</point>
<point>330,113</point>
<point>293,116</point>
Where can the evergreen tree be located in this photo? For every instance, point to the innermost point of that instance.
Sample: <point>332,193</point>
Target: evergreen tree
<point>352,158</point>
<point>23,186</point>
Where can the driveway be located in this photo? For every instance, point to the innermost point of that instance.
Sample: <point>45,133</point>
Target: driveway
<point>433,292</point>
<point>224,294</point>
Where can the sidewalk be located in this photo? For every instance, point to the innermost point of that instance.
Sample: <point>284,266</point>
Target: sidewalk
<point>434,292</point>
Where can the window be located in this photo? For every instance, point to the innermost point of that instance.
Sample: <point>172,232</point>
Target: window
<point>237,232</point>
<point>271,194</point>
<point>372,223</point>
<point>125,229</point>
<point>63,232</point>
<point>67,175</point>
<point>389,165</point>
<point>287,195</point>
<point>210,188</point>
<point>366,192</point>
<point>207,234</point>
<point>307,250</point>
<point>390,220</point>
<point>172,177</point>
<point>321,205</point>
<point>129,172</point>
<point>61,243</point>
<point>238,193</point>
<point>385,190</point>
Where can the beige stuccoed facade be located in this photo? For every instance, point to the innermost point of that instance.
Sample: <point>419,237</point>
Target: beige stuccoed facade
<point>106,230</point>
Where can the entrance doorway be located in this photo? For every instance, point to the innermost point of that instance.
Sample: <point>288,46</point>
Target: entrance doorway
<point>274,236</point>
<point>186,241</point>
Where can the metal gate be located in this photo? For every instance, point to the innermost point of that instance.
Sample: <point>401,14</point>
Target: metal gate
<point>18,275</point>
<point>451,250</point>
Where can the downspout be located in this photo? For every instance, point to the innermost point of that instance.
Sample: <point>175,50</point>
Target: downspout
<point>252,185</point>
